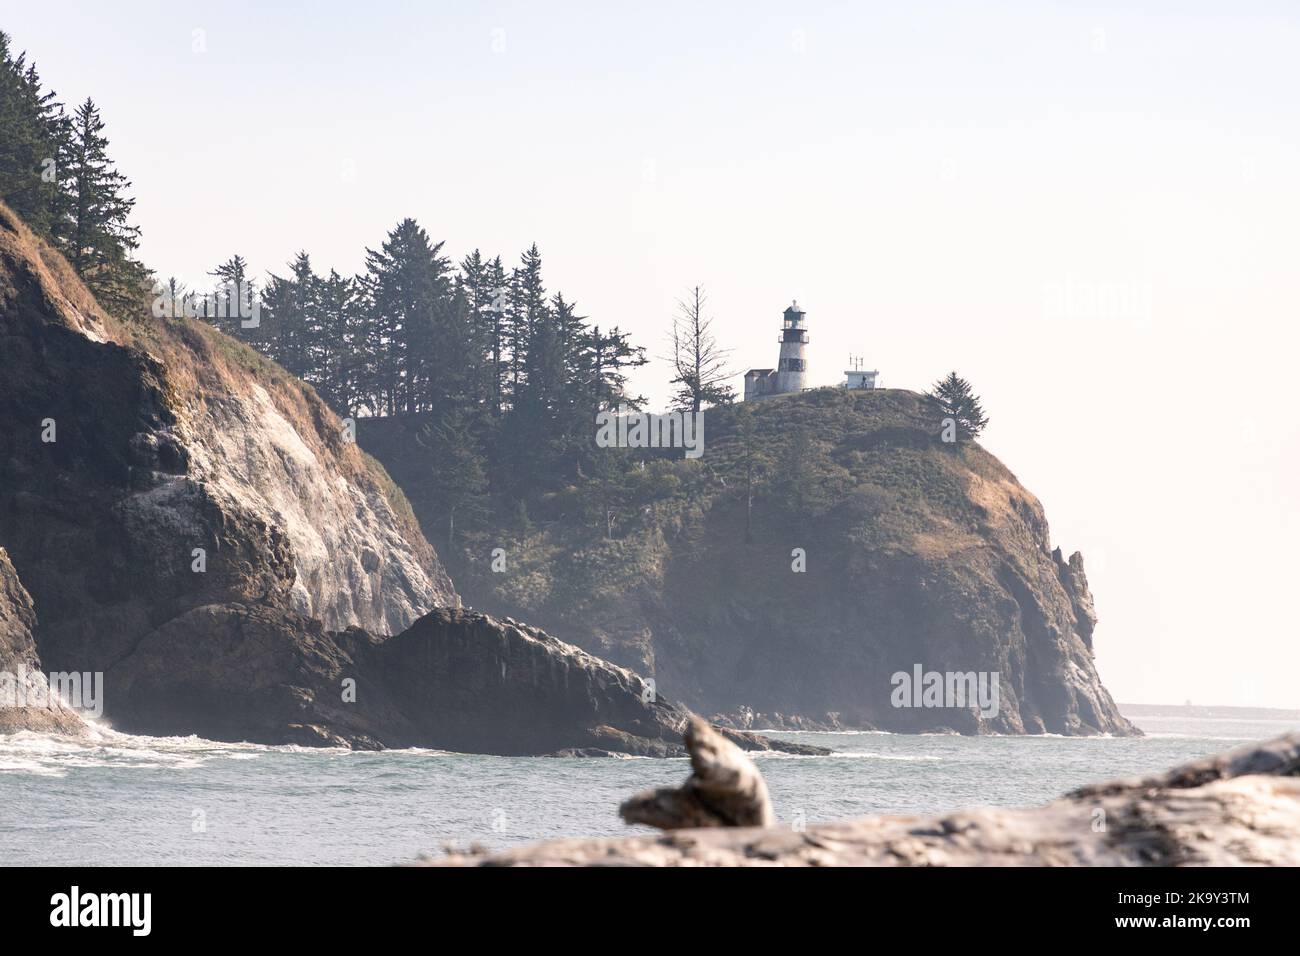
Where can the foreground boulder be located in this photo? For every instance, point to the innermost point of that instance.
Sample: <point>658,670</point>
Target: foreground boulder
<point>1235,809</point>
<point>725,789</point>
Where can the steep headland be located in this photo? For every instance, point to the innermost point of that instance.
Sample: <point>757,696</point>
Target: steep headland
<point>823,543</point>
<point>193,523</point>
<point>147,468</point>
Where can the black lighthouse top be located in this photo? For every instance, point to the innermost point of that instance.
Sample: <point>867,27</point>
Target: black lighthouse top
<point>794,316</point>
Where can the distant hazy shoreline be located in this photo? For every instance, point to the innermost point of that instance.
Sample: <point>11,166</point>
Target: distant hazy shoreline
<point>1207,710</point>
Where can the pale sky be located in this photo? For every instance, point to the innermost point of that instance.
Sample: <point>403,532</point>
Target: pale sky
<point>1091,213</point>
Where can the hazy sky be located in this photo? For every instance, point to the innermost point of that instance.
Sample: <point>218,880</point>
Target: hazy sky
<point>1091,213</point>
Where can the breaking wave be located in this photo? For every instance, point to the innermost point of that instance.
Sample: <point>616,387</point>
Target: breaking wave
<point>53,755</point>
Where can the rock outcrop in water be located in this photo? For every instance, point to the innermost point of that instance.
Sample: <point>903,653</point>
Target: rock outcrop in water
<point>454,680</point>
<point>872,548</point>
<point>1241,808</point>
<point>192,522</point>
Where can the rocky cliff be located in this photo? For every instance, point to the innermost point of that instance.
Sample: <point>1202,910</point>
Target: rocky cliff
<point>25,699</point>
<point>822,544</point>
<point>148,468</point>
<point>194,524</point>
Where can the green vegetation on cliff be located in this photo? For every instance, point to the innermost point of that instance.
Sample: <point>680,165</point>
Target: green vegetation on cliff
<point>822,542</point>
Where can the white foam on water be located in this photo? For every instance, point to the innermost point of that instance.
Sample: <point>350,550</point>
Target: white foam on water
<point>827,733</point>
<point>849,754</point>
<point>864,755</point>
<point>53,755</point>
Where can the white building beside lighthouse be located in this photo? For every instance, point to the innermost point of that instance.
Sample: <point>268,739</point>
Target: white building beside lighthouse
<point>791,372</point>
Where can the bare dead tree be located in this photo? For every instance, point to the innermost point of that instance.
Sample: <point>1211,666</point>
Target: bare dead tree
<point>699,363</point>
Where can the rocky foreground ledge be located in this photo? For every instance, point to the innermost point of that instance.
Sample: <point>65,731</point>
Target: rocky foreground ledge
<point>1234,809</point>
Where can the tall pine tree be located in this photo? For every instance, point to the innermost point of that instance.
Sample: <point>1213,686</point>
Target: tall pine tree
<point>233,294</point>
<point>34,138</point>
<point>408,287</point>
<point>98,238</point>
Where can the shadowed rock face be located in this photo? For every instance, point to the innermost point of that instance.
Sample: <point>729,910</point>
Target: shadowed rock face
<point>455,680</point>
<point>22,682</point>
<point>1237,809</point>
<point>916,553</point>
<point>169,437</point>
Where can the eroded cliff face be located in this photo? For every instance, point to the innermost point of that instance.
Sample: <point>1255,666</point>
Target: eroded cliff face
<point>25,699</point>
<point>147,469</point>
<point>873,549</point>
<point>190,521</point>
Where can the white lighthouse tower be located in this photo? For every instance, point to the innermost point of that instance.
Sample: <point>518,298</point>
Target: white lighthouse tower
<point>791,372</point>
<point>792,368</point>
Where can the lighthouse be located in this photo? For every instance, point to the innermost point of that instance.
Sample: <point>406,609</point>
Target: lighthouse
<point>790,374</point>
<point>792,367</point>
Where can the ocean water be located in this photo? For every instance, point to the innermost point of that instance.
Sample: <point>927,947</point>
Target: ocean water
<point>122,800</point>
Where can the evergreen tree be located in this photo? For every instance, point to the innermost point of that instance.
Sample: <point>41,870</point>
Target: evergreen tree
<point>458,483</point>
<point>498,285</point>
<point>610,355</point>
<point>174,300</point>
<point>340,349</point>
<point>528,445</point>
<point>957,401</point>
<point>230,305</point>
<point>232,272</point>
<point>526,311</point>
<point>99,240</point>
<point>455,372</point>
<point>482,283</point>
<point>34,136</point>
<point>293,333</point>
<point>406,280</point>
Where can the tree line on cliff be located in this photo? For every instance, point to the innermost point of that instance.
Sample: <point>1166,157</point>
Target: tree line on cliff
<point>55,173</point>
<point>504,377</point>
<point>500,379</point>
